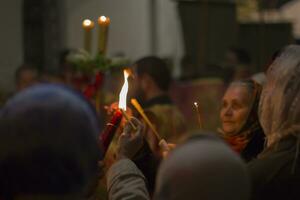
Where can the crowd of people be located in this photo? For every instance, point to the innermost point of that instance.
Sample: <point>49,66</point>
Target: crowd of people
<point>50,148</point>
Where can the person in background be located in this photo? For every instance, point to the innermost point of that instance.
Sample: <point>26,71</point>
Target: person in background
<point>261,76</point>
<point>48,145</point>
<point>237,65</point>
<point>276,172</point>
<point>26,76</point>
<point>198,169</point>
<point>153,79</point>
<point>239,117</point>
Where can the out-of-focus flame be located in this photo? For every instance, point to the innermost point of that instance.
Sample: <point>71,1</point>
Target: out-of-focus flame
<point>104,20</point>
<point>88,24</point>
<point>123,93</point>
<point>196,104</point>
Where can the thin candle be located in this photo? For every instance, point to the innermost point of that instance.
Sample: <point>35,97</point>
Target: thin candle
<point>198,114</point>
<point>139,108</point>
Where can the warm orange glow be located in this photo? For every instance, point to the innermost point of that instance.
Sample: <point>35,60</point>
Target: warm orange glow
<point>123,93</point>
<point>105,21</point>
<point>87,24</point>
<point>196,104</point>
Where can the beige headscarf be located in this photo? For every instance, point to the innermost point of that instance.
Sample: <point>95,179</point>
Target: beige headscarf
<point>203,168</point>
<point>279,109</point>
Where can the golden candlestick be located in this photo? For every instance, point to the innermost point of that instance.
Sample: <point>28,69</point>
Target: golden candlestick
<point>87,26</point>
<point>103,23</point>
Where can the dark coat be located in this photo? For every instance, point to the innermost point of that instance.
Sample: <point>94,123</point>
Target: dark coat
<point>277,174</point>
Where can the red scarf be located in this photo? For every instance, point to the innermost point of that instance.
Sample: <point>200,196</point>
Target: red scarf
<point>237,143</point>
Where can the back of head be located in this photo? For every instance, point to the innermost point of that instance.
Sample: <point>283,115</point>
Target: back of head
<point>25,76</point>
<point>203,168</point>
<point>157,69</point>
<point>241,55</point>
<point>279,110</point>
<point>47,143</point>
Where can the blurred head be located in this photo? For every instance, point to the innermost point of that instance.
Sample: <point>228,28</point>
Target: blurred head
<point>201,169</point>
<point>152,75</point>
<point>236,105</point>
<point>236,56</point>
<point>279,110</point>
<point>48,146</point>
<point>26,76</point>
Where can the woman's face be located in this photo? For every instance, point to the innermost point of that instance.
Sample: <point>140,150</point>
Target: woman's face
<point>235,108</point>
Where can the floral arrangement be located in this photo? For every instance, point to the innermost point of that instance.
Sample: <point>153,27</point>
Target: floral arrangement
<point>90,70</point>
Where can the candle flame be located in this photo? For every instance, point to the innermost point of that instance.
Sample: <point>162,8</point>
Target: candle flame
<point>103,20</point>
<point>87,23</point>
<point>123,93</point>
<point>196,104</point>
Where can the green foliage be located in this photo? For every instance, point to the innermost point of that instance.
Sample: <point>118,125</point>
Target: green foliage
<point>83,62</point>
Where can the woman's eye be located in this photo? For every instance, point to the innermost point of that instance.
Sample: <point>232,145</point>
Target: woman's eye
<point>236,106</point>
<point>224,104</point>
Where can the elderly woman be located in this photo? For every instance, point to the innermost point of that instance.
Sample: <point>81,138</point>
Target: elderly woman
<point>276,174</point>
<point>239,116</point>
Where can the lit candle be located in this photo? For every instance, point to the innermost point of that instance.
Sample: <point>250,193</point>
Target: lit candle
<point>87,26</point>
<point>111,127</point>
<point>103,23</point>
<point>123,98</point>
<point>198,114</point>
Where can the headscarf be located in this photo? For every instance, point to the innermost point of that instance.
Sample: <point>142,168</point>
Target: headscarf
<point>279,109</point>
<point>250,127</point>
<point>203,168</point>
<point>48,143</point>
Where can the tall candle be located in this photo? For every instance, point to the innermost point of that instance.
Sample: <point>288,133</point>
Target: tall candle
<point>87,26</point>
<point>103,23</point>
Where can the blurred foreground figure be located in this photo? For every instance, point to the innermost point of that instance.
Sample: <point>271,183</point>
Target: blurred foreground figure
<point>203,168</point>
<point>276,174</point>
<point>48,145</point>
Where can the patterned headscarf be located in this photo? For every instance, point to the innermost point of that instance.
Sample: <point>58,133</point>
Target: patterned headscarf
<point>48,143</point>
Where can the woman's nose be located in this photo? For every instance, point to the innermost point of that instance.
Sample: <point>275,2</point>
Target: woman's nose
<point>228,111</point>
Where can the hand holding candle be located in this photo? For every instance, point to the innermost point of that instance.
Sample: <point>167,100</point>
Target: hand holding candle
<point>162,143</point>
<point>111,127</point>
<point>130,141</point>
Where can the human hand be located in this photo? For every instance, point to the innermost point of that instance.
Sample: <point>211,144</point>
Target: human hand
<point>166,148</point>
<point>130,141</point>
<point>110,109</point>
